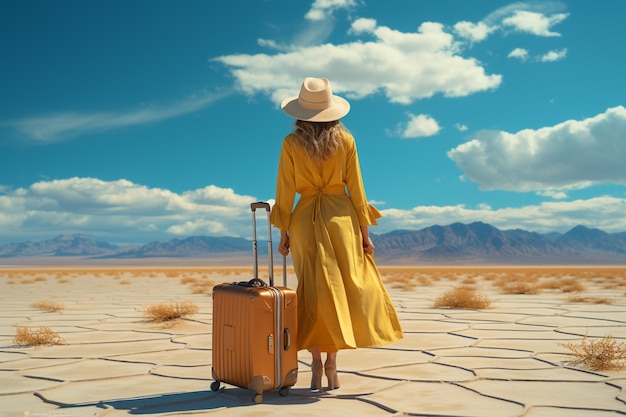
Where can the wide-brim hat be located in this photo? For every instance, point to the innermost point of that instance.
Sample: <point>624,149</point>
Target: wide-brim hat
<point>316,102</point>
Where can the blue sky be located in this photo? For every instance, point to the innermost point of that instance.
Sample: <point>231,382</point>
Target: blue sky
<point>135,121</point>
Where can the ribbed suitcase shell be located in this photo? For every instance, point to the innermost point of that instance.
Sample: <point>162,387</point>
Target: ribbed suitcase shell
<point>254,333</point>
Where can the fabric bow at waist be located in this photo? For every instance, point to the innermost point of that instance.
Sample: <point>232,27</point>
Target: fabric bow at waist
<point>338,189</point>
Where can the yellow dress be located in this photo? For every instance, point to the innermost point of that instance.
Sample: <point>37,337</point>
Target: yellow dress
<point>342,302</point>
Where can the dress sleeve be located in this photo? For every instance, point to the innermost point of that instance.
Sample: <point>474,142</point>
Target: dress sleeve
<point>366,212</point>
<point>285,189</point>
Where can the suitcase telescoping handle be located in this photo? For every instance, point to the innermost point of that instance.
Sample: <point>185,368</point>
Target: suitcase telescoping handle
<point>270,248</point>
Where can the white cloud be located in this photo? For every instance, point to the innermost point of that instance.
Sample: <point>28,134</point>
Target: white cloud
<point>551,56</point>
<point>536,18</point>
<point>404,66</point>
<point>63,126</point>
<point>322,9</point>
<point>554,56</point>
<point>605,213</point>
<point>570,155</point>
<point>134,214</point>
<point>461,127</point>
<point>534,23</point>
<point>557,195</point>
<point>120,210</point>
<point>519,53</point>
<point>475,32</point>
<point>420,126</point>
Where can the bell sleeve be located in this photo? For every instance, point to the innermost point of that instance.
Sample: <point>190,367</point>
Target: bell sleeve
<point>366,212</point>
<point>280,215</point>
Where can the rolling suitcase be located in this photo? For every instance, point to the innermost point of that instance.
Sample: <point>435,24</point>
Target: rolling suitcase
<point>254,329</point>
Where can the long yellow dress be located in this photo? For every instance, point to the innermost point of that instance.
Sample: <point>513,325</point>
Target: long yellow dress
<point>342,302</point>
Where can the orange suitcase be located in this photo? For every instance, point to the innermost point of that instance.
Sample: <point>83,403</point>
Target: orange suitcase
<point>254,330</point>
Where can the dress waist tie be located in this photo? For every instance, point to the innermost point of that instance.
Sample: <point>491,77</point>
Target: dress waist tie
<point>338,189</point>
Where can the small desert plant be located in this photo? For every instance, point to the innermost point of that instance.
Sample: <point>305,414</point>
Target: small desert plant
<point>598,355</point>
<point>593,300</point>
<point>203,287</point>
<point>169,311</point>
<point>48,305</point>
<point>515,285</point>
<point>462,297</point>
<point>571,285</point>
<point>37,337</point>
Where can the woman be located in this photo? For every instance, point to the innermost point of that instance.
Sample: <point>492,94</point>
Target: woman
<point>342,303</point>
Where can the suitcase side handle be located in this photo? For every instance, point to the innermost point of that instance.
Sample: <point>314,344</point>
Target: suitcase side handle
<point>286,340</point>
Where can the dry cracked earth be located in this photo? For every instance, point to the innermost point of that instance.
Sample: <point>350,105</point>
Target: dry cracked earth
<point>506,360</point>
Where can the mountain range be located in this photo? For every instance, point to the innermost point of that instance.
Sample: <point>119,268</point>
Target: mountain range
<point>458,243</point>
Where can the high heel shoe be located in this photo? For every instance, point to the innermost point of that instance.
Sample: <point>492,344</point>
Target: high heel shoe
<point>330,367</point>
<point>316,375</point>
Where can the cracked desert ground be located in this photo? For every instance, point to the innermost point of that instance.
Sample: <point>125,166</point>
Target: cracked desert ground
<point>508,359</point>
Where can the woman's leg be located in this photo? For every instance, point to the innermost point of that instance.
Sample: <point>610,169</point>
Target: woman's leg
<point>330,367</point>
<point>317,369</point>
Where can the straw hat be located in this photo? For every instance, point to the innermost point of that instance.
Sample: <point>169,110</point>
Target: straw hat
<point>316,102</point>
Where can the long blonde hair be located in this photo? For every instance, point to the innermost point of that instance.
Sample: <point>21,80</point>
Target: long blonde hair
<point>320,140</point>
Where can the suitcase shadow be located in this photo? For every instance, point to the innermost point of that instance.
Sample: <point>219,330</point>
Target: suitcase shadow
<point>226,397</point>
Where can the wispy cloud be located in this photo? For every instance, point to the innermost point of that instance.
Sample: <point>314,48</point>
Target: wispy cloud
<point>554,55</point>
<point>323,9</point>
<point>68,125</point>
<point>534,23</point>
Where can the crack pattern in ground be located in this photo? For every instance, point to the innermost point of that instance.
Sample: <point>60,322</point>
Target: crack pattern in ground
<point>507,360</point>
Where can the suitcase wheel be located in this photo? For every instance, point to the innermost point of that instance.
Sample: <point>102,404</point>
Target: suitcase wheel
<point>257,398</point>
<point>215,386</point>
<point>283,391</point>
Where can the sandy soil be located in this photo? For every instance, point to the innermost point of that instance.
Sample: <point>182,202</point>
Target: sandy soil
<point>505,360</point>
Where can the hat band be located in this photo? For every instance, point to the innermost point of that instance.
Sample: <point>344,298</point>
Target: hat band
<point>313,105</point>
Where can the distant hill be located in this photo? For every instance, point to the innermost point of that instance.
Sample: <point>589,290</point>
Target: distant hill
<point>195,246</point>
<point>475,243</point>
<point>482,243</point>
<point>63,245</point>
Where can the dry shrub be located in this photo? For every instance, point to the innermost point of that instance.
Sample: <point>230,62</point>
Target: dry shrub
<point>565,285</point>
<point>551,284</point>
<point>516,286</point>
<point>37,336</point>
<point>593,300</point>
<point>571,285</point>
<point>424,280</point>
<point>188,280</point>
<point>169,311</point>
<point>400,281</point>
<point>462,297</point>
<point>47,305</point>
<point>598,355</point>
<point>202,287</point>
<point>470,280</point>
